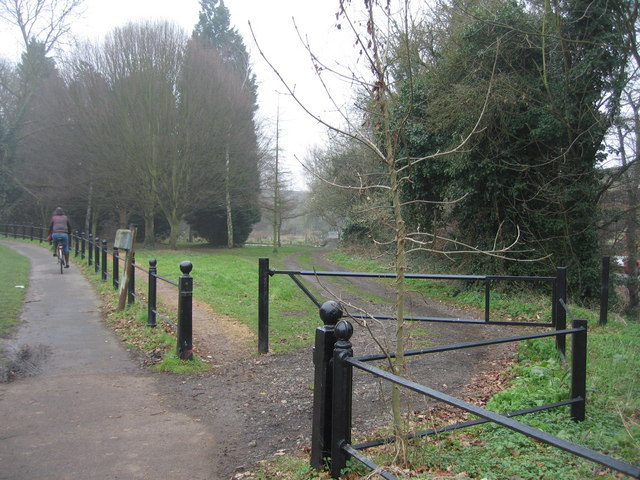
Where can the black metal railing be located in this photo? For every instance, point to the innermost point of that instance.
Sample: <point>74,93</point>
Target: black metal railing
<point>95,251</point>
<point>333,396</point>
<point>23,231</point>
<point>558,293</point>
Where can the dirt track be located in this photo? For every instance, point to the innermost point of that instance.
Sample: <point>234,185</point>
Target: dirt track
<point>272,394</point>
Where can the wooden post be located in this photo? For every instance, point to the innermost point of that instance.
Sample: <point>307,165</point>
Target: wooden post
<point>124,282</point>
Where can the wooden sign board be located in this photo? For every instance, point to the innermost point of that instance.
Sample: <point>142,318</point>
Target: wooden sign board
<point>124,240</point>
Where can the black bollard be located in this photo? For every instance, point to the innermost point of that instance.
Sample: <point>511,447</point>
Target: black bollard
<point>104,260</point>
<point>151,305</point>
<point>263,305</point>
<point>579,369</point>
<point>96,248</point>
<point>131,293</point>
<point>342,397</point>
<point>90,248</point>
<point>185,340</point>
<point>330,313</point>
<point>116,268</point>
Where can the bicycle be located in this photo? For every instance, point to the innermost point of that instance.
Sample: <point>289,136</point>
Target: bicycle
<point>60,254</point>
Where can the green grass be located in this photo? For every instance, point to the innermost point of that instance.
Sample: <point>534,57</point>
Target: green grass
<point>171,363</point>
<point>15,275</point>
<point>611,425</point>
<point>228,281</point>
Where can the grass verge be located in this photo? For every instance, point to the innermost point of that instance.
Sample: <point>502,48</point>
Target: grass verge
<point>228,281</point>
<point>15,276</point>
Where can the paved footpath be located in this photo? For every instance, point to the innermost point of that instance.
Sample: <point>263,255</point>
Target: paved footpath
<point>90,413</point>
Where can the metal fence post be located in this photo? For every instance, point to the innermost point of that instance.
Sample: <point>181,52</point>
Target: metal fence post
<point>561,314</point>
<point>77,244</point>
<point>487,299</point>
<point>604,290</point>
<point>83,246</point>
<point>90,248</point>
<point>341,401</point>
<point>96,247</point>
<point>579,369</point>
<point>104,260</point>
<point>263,305</point>
<point>131,293</point>
<point>31,234</point>
<point>185,341</point>
<point>330,313</point>
<point>116,267</point>
<point>151,304</point>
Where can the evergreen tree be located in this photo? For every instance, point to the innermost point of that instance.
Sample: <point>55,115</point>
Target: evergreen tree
<point>240,209</point>
<point>531,168</point>
<point>214,26</point>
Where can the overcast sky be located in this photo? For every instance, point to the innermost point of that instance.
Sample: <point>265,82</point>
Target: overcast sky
<point>273,25</point>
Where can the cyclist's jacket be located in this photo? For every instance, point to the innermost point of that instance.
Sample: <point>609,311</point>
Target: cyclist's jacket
<point>60,224</point>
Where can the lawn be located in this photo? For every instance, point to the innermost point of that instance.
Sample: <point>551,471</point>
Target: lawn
<point>15,275</point>
<point>228,281</point>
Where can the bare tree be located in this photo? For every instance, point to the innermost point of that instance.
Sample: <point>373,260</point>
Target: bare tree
<point>276,202</point>
<point>142,64</point>
<point>44,21</point>
<point>42,25</point>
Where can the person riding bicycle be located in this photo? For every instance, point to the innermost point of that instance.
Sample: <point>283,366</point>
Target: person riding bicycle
<point>60,228</point>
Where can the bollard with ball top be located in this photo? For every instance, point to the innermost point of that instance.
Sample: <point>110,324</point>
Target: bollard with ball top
<point>330,312</point>
<point>185,341</point>
<point>342,397</point>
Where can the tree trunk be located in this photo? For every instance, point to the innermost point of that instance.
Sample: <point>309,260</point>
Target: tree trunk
<point>94,222</point>
<point>87,216</point>
<point>228,199</point>
<point>174,224</point>
<point>276,194</point>
<point>401,268</point>
<point>149,230</point>
<point>123,216</point>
